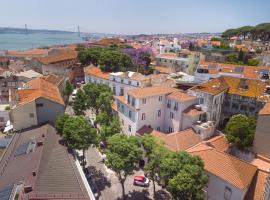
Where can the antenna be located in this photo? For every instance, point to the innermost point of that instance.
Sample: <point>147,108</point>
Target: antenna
<point>79,33</point>
<point>26,30</point>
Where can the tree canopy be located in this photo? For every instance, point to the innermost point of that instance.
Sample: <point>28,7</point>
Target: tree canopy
<point>117,58</point>
<point>78,133</point>
<point>260,31</point>
<point>60,122</point>
<point>240,130</point>
<point>68,88</point>
<point>122,154</point>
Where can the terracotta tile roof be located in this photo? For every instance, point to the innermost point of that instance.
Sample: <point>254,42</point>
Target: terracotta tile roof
<point>235,171</point>
<point>233,85</point>
<point>219,142</point>
<point>213,86</point>
<point>95,71</point>
<point>109,41</point>
<point>40,88</point>
<point>247,71</point>
<point>192,111</point>
<point>177,141</point>
<point>181,96</point>
<point>163,70</point>
<point>266,109</point>
<point>185,52</point>
<point>145,129</point>
<point>29,52</point>
<point>150,91</point>
<point>64,55</point>
<point>54,79</point>
<point>168,54</point>
<point>114,106</point>
<point>257,187</point>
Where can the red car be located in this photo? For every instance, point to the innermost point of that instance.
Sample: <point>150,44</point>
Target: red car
<point>141,181</point>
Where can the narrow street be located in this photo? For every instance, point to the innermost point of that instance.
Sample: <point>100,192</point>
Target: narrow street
<point>109,186</point>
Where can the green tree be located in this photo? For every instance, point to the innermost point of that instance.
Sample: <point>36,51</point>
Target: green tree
<point>78,134</point>
<point>98,97</point>
<point>122,154</point>
<point>155,152</point>
<point>240,130</point>
<point>231,58</point>
<point>68,88</point>
<point>109,129</point>
<point>253,62</point>
<point>241,56</point>
<point>60,122</point>
<point>79,103</point>
<point>188,183</point>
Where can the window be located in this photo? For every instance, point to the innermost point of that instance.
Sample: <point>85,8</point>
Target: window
<point>169,104</point>
<point>122,108</point>
<point>129,114</point>
<point>170,129</point>
<point>227,193</point>
<point>201,100</point>
<point>2,119</point>
<point>171,115</point>
<point>160,98</point>
<point>137,83</point>
<point>144,101</point>
<point>129,128</point>
<point>31,115</point>
<point>39,104</point>
<point>159,113</point>
<point>176,106</point>
<point>128,99</point>
<point>122,80</point>
<point>129,82</point>
<point>113,79</point>
<point>121,92</point>
<point>158,128</point>
<point>114,90</point>
<point>143,116</point>
<point>133,102</point>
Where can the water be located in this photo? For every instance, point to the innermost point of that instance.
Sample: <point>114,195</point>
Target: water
<point>15,41</point>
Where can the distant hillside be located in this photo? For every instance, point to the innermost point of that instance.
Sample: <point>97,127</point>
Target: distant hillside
<point>5,30</point>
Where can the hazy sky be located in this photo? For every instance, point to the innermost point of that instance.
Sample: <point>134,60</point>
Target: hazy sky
<point>134,16</point>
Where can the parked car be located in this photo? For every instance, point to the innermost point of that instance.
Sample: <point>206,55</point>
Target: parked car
<point>141,181</point>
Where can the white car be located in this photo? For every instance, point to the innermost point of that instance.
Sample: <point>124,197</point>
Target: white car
<point>141,181</point>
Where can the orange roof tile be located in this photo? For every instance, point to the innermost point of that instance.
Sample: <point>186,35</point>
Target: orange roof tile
<point>163,70</point>
<point>40,88</point>
<point>266,109</point>
<point>192,111</point>
<point>54,79</point>
<point>248,71</point>
<point>257,187</point>
<point>114,106</point>
<point>168,54</point>
<point>177,141</point>
<point>238,86</point>
<point>29,52</point>
<point>235,171</point>
<point>181,96</point>
<point>64,55</point>
<point>95,71</point>
<point>219,142</point>
<point>150,91</point>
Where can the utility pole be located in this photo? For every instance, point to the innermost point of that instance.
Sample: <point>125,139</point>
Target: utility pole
<point>79,33</point>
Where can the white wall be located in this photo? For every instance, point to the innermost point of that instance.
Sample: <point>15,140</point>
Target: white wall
<point>216,188</point>
<point>20,116</point>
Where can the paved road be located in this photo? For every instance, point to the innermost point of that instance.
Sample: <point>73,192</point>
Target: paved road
<point>109,185</point>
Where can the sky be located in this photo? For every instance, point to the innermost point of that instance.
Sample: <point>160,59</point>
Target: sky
<point>134,16</point>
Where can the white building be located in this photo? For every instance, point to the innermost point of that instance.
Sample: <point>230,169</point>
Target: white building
<point>119,82</point>
<point>164,109</point>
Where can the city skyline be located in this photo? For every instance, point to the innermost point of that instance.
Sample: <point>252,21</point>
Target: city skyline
<point>134,17</point>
